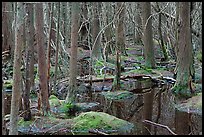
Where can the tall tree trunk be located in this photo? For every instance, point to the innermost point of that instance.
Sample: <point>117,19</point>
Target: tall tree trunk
<point>120,33</point>
<point>147,35</point>
<point>160,33</point>
<point>49,47</point>
<point>57,48</point>
<point>184,64</point>
<point>16,89</point>
<point>6,26</point>
<point>176,26</point>
<point>108,31</point>
<point>120,42</point>
<point>74,44</point>
<point>42,65</point>
<point>53,33</point>
<point>28,74</point>
<point>85,26</point>
<point>96,28</point>
<point>138,38</point>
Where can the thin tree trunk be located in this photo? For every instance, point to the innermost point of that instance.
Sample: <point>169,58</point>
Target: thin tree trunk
<point>49,47</point>
<point>108,30</point>
<point>96,28</point>
<point>120,34</point>
<point>29,45</point>
<point>42,66</point>
<point>16,94</point>
<point>53,33</point>
<point>120,42</point>
<point>160,35</point>
<point>139,23</point>
<point>73,60</point>
<point>57,48</point>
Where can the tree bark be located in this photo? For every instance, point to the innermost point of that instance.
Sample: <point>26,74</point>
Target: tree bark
<point>57,47</point>
<point>7,35</point>
<point>28,73</point>
<point>120,34</point>
<point>96,28</point>
<point>49,46</point>
<point>184,64</point>
<point>42,65</point>
<point>16,89</point>
<point>73,59</point>
<point>160,34</point>
<point>147,35</point>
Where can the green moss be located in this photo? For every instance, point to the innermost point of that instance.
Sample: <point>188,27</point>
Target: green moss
<point>8,84</point>
<point>23,123</point>
<point>181,91</point>
<point>97,120</point>
<point>54,101</point>
<point>139,71</point>
<point>119,95</point>
<point>199,56</point>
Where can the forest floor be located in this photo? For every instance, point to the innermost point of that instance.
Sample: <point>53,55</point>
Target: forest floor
<point>127,103</point>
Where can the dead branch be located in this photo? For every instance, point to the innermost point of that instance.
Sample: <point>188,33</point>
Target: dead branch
<point>159,125</point>
<point>111,79</point>
<point>97,132</point>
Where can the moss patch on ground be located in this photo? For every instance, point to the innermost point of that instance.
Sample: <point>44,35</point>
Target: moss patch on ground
<point>101,121</point>
<point>81,124</point>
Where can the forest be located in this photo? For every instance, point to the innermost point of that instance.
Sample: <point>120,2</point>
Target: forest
<point>101,68</point>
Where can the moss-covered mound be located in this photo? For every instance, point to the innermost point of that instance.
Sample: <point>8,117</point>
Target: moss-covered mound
<point>81,124</point>
<point>101,121</point>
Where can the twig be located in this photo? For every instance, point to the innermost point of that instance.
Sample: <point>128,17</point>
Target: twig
<point>97,132</point>
<point>159,125</point>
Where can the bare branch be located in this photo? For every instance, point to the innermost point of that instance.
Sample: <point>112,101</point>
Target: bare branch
<point>159,125</point>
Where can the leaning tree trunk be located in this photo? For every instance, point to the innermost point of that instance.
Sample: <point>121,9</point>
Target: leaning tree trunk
<point>73,59</point>
<point>42,65</point>
<point>184,66</point>
<point>16,90</point>
<point>147,36</point>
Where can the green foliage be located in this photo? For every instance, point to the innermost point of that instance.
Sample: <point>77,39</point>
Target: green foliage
<point>67,107</point>
<point>199,56</point>
<point>181,91</point>
<point>8,84</point>
<point>23,123</point>
<point>99,65</point>
<point>52,71</point>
